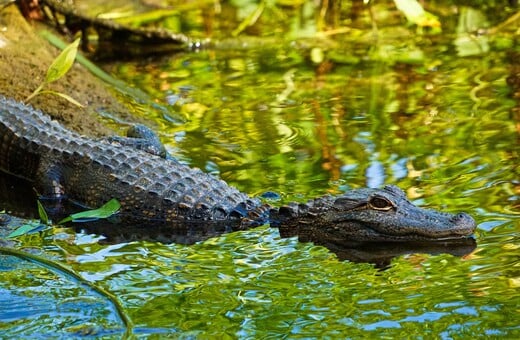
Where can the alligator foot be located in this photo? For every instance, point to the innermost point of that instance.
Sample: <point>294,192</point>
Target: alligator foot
<point>142,138</point>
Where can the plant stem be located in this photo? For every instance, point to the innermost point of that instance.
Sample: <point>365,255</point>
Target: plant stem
<point>36,92</point>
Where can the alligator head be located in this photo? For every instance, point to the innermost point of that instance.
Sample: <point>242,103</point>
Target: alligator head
<point>366,215</point>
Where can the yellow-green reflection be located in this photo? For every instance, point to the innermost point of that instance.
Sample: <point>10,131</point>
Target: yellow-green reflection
<point>270,119</point>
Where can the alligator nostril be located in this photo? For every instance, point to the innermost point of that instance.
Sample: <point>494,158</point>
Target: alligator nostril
<point>464,220</point>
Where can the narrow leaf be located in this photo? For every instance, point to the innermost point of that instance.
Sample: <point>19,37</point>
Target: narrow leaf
<point>63,95</point>
<point>63,62</point>
<point>24,229</point>
<point>107,210</point>
<point>42,213</point>
<point>250,20</point>
<point>38,228</point>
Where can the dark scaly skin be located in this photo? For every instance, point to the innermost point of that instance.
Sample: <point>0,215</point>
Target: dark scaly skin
<point>154,189</point>
<point>369,214</point>
<point>91,172</point>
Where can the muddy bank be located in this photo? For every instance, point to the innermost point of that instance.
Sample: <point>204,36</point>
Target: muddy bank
<point>24,59</point>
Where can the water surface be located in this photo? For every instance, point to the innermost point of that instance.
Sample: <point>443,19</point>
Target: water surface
<point>402,109</point>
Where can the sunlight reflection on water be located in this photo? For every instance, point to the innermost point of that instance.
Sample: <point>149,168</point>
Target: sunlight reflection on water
<point>365,124</point>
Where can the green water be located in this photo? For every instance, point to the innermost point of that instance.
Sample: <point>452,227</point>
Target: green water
<point>440,126</point>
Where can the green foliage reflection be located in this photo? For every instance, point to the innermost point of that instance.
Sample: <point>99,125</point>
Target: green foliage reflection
<point>344,109</point>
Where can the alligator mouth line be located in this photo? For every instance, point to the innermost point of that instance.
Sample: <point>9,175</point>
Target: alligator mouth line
<point>421,237</point>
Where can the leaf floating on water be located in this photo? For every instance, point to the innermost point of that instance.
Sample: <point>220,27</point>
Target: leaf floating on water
<point>33,226</point>
<point>105,211</point>
<point>27,229</point>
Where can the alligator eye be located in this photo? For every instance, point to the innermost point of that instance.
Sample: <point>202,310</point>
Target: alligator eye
<point>380,203</point>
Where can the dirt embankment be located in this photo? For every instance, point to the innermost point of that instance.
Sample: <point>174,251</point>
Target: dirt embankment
<point>24,59</point>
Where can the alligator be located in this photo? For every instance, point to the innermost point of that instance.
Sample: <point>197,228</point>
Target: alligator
<point>153,188</point>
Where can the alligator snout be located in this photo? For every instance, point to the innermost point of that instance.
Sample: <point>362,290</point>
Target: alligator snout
<point>464,223</point>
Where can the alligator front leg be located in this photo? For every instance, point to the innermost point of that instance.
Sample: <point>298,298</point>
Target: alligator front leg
<point>48,182</point>
<point>142,138</point>
<point>49,187</point>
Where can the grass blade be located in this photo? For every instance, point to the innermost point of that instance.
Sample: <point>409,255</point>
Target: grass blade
<point>63,95</point>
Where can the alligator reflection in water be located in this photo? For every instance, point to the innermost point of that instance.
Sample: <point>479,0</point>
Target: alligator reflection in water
<point>382,253</point>
<point>16,195</point>
<point>378,253</point>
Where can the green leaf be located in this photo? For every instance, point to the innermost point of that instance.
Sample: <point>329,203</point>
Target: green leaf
<point>251,18</point>
<point>416,14</point>
<point>24,229</point>
<point>468,43</point>
<point>63,95</point>
<point>107,210</point>
<point>42,213</point>
<point>63,62</point>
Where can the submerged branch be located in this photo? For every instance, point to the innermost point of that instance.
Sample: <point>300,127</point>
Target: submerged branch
<point>70,274</point>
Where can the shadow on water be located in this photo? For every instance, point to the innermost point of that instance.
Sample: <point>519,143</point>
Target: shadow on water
<point>17,195</point>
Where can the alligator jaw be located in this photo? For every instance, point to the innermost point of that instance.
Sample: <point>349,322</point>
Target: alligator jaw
<point>450,235</point>
<point>356,231</point>
<point>413,224</point>
<point>361,232</point>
